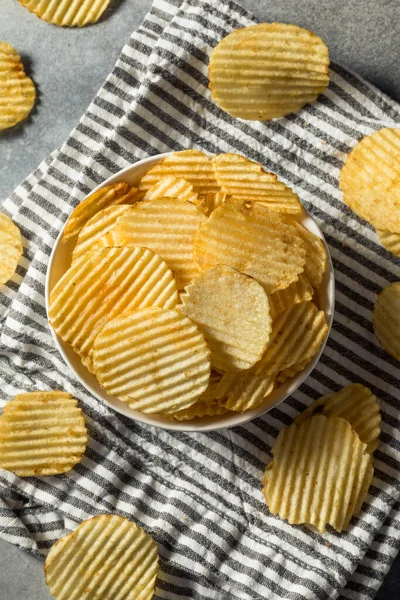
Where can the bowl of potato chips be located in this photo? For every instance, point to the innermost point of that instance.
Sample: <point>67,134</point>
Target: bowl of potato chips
<point>191,292</point>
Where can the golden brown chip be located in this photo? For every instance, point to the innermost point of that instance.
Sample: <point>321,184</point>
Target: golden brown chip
<point>10,248</point>
<point>355,403</point>
<point>370,179</point>
<point>255,242</point>
<point>166,226</point>
<point>212,200</point>
<point>386,319</point>
<point>41,433</point>
<point>171,187</point>
<point>232,311</point>
<point>106,557</point>
<point>245,390</point>
<point>320,473</point>
<point>316,255</point>
<point>269,70</point>
<point>247,181</point>
<point>390,241</point>
<point>103,284</point>
<point>290,372</point>
<point>155,360</point>
<point>97,227</point>
<point>298,291</point>
<point>206,406</point>
<point>117,193</point>
<point>193,166</point>
<point>67,13</point>
<point>17,91</point>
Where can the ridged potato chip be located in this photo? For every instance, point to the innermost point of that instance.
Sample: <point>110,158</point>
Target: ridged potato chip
<point>290,372</point>
<point>316,256</point>
<point>166,226</point>
<point>67,13</point>
<point>247,181</point>
<point>298,291</point>
<point>17,89</point>
<point>212,200</point>
<point>155,360</point>
<point>269,70</point>
<point>97,227</point>
<point>171,187</point>
<point>320,473</point>
<point>206,406</point>
<point>386,319</point>
<point>245,390</point>
<point>106,557</point>
<point>117,193</point>
<point>255,242</point>
<point>103,284</point>
<point>390,241</point>
<point>370,179</point>
<point>356,404</point>
<point>10,248</point>
<point>232,311</point>
<point>41,433</point>
<point>193,166</point>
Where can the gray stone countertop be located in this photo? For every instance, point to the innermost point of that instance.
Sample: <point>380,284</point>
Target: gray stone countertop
<point>69,65</point>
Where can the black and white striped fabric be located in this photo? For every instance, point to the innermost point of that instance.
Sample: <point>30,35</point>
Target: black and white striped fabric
<point>199,495</point>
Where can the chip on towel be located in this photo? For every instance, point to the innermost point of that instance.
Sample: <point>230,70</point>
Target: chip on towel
<point>10,248</point>
<point>386,319</point>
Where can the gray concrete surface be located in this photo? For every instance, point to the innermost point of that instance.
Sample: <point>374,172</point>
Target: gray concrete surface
<point>69,66</point>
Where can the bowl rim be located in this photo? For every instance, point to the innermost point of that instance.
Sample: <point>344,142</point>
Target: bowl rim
<point>208,423</point>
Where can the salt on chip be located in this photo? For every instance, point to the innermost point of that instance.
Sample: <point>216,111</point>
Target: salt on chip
<point>103,284</point>
<point>269,70</point>
<point>106,557</point>
<point>10,248</point>
<point>390,241</point>
<point>255,242</point>
<point>244,390</point>
<point>298,291</point>
<point>155,360</point>
<point>66,13</point>
<point>171,187</point>
<point>386,319</point>
<point>356,404</point>
<point>17,89</point>
<point>41,433</point>
<point>232,310</point>
<point>370,179</point>
<point>316,255</point>
<point>116,193</point>
<point>167,226</point>
<point>247,181</point>
<point>320,473</point>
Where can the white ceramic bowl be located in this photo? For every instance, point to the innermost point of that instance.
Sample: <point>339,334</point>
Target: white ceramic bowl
<point>60,262</point>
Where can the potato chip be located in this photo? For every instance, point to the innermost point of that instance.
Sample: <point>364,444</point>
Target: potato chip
<point>41,433</point>
<point>155,360</point>
<point>97,227</point>
<point>355,403</point>
<point>269,70</point>
<point>245,390</point>
<point>17,89</point>
<point>206,406</point>
<point>232,311</point>
<point>370,179</point>
<point>298,291</point>
<point>390,241</point>
<point>212,200</point>
<point>255,242</point>
<point>247,181</point>
<point>193,166</point>
<point>290,372</point>
<point>106,557</point>
<point>320,473</point>
<point>166,226</point>
<point>117,193</point>
<point>10,248</point>
<point>171,187</point>
<point>103,284</point>
<point>66,13</point>
<point>316,256</point>
<point>386,319</point>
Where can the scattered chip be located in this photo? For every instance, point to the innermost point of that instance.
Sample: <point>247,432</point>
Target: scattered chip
<point>117,193</point>
<point>390,241</point>
<point>10,248</point>
<point>17,90</point>
<point>316,255</point>
<point>66,13</point>
<point>370,179</point>
<point>166,226</point>
<point>97,227</point>
<point>320,473</point>
<point>245,390</point>
<point>232,311</point>
<point>155,360</point>
<point>106,557</point>
<point>171,187</point>
<point>355,403</point>
<point>386,319</point>
<point>255,242</point>
<point>103,284</point>
<point>298,291</point>
<point>41,433</point>
<point>247,181</point>
<point>269,70</point>
<point>290,372</point>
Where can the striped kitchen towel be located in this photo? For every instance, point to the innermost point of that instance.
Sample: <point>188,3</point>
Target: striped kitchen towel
<point>199,495</point>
